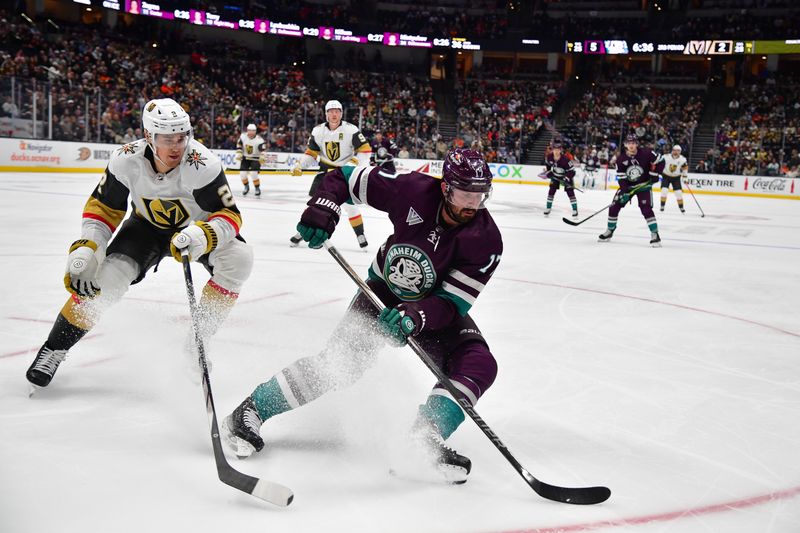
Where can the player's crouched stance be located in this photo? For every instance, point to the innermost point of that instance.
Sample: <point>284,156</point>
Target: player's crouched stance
<point>175,185</point>
<point>429,272</point>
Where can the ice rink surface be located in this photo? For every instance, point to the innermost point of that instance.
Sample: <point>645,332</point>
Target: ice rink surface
<point>670,375</point>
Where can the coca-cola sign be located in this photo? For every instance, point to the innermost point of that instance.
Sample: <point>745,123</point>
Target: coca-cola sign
<point>769,184</point>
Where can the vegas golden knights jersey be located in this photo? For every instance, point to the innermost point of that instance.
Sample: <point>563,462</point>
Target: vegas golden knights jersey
<point>674,166</point>
<point>250,148</point>
<point>336,147</point>
<point>195,190</point>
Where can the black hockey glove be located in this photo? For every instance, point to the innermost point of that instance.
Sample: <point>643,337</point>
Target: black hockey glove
<point>319,220</point>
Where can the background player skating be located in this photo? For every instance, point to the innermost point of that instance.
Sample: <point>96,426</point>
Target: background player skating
<point>335,143</point>
<point>250,149</point>
<point>637,170</point>
<point>444,249</point>
<point>560,168</point>
<point>675,169</point>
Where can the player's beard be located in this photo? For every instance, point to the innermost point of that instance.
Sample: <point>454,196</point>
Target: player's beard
<point>460,215</point>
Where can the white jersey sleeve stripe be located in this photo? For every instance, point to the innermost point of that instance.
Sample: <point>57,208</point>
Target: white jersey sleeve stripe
<point>455,291</point>
<point>466,280</point>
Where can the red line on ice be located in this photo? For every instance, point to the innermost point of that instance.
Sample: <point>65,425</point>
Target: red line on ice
<point>669,516</point>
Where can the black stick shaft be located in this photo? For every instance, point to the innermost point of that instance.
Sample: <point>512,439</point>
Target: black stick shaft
<point>695,199</point>
<point>265,490</point>
<point>580,496</point>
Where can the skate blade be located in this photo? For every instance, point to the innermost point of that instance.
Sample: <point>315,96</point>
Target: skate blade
<point>655,245</point>
<point>240,447</point>
<point>446,474</point>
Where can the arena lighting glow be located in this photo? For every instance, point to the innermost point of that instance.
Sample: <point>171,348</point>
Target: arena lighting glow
<point>283,29</point>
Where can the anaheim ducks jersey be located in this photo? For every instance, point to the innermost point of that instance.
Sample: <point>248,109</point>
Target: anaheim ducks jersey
<point>250,148</point>
<point>336,147</point>
<point>195,190</point>
<point>674,166</point>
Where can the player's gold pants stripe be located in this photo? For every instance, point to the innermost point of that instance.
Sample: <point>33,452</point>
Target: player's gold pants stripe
<point>75,313</point>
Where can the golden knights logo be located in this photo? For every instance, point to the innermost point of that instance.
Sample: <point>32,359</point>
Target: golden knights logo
<point>166,214</point>
<point>332,151</point>
<point>195,159</point>
<point>409,272</point>
<point>128,148</point>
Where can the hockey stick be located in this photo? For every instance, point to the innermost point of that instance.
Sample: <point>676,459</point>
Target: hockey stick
<point>702,214</point>
<point>630,192</point>
<point>578,496</point>
<point>268,491</point>
<point>544,175</point>
<point>579,222</point>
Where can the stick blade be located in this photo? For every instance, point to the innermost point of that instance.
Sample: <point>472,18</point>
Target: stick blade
<point>274,493</point>
<point>570,222</point>
<point>575,496</point>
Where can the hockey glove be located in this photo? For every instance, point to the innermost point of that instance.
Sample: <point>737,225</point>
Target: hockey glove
<point>297,170</point>
<point>238,156</point>
<point>319,220</point>
<point>198,238</point>
<point>396,326</point>
<point>622,198</point>
<point>80,277</point>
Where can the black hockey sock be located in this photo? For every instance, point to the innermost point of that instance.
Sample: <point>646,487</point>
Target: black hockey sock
<point>64,335</point>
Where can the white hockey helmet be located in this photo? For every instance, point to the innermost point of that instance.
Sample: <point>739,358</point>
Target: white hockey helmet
<point>165,116</point>
<point>333,104</point>
<point>251,127</point>
<point>677,147</point>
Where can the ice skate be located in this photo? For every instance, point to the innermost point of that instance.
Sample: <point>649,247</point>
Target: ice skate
<point>574,213</point>
<point>606,235</point>
<point>44,366</point>
<point>547,212</point>
<point>655,240</point>
<point>258,191</point>
<point>241,429</point>
<point>295,241</point>
<point>450,465</point>
<point>246,189</point>
<point>362,241</point>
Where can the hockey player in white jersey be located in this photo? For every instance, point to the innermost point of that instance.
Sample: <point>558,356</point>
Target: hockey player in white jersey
<point>335,143</point>
<point>250,150</point>
<point>675,169</point>
<point>177,187</point>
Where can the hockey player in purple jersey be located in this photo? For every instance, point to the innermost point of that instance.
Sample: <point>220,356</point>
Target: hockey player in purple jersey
<point>560,168</point>
<point>429,272</point>
<point>637,171</point>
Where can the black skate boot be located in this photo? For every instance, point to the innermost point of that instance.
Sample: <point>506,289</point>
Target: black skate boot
<point>606,235</point>
<point>44,366</point>
<point>453,466</point>
<point>241,429</point>
<point>258,191</point>
<point>295,240</point>
<point>655,240</point>
<point>246,189</point>
<point>362,240</point>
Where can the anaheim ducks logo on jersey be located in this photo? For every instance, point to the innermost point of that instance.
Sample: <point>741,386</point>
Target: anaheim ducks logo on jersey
<point>166,214</point>
<point>634,172</point>
<point>409,272</point>
<point>333,150</point>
